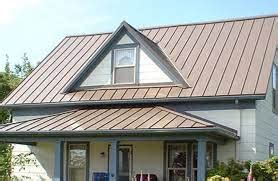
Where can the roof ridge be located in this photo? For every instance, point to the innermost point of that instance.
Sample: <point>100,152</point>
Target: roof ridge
<point>186,24</point>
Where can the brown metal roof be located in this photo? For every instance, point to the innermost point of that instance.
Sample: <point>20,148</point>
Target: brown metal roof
<point>225,58</point>
<point>101,119</point>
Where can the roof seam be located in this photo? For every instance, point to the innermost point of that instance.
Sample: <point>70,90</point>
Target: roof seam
<point>38,78</point>
<point>229,58</point>
<point>243,85</point>
<point>43,62</point>
<point>72,52</point>
<point>217,61</point>
<point>66,73</point>
<point>185,27</point>
<point>253,21</point>
<point>192,48</point>
<point>196,82</point>
<point>204,45</point>
<point>185,43</point>
<point>272,27</point>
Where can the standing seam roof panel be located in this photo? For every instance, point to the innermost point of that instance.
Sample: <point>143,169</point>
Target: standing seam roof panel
<point>38,81</point>
<point>235,58</point>
<point>213,59</point>
<point>268,61</point>
<point>258,56</point>
<point>36,70</point>
<point>246,58</point>
<point>68,65</point>
<point>81,63</point>
<point>223,60</point>
<point>56,72</point>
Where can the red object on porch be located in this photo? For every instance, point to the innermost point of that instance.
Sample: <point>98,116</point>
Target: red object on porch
<point>153,177</point>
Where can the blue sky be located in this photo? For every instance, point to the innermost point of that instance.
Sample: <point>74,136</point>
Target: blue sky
<point>36,26</point>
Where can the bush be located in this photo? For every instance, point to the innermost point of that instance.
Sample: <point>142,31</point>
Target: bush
<point>236,170</point>
<point>233,170</point>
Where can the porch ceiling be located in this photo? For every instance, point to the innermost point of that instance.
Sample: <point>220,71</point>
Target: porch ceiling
<point>125,120</point>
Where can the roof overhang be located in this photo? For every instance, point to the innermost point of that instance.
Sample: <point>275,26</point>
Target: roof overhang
<point>133,122</point>
<point>137,101</point>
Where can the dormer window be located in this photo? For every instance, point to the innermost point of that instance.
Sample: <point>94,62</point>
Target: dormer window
<point>124,65</point>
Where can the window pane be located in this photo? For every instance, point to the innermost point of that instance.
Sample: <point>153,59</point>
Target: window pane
<point>209,156</point>
<point>177,175</point>
<point>124,75</point>
<point>124,57</point>
<point>77,155</point>
<point>77,174</point>
<point>177,156</point>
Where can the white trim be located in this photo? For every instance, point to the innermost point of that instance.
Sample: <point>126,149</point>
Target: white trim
<point>125,66</point>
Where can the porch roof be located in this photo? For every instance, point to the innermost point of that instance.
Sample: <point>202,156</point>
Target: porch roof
<point>116,121</point>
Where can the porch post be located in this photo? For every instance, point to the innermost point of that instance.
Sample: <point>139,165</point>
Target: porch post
<point>201,166</point>
<point>59,157</point>
<point>113,175</point>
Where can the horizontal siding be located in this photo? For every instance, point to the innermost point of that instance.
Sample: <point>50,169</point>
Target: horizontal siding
<point>266,125</point>
<point>101,75</point>
<point>149,71</point>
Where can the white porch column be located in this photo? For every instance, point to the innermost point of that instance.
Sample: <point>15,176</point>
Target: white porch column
<point>59,156</point>
<point>201,167</point>
<point>114,162</point>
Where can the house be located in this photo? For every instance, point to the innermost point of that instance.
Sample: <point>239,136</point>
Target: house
<point>169,101</point>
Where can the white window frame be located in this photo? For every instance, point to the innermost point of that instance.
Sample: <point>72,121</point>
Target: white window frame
<point>124,66</point>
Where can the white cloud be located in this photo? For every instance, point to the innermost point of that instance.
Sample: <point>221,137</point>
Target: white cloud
<point>9,9</point>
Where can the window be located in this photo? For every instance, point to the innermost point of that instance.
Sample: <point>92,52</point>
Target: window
<point>275,87</point>
<point>177,161</point>
<point>77,162</point>
<point>124,65</point>
<point>209,158</point>
<point>271,150</point>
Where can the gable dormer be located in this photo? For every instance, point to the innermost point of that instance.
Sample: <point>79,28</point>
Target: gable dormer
<point>127,58</point>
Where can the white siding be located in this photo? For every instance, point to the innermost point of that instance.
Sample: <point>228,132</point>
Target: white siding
<point>147,157</point>
<point>242,120</point>
<point>266,125</point>
<point>44,156</point>
<point>149,72</point>
<point>101,75</point>
<point>125,40</point>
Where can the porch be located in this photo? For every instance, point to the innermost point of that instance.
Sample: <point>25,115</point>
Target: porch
<point>169,160</point>
<point>122,142</point>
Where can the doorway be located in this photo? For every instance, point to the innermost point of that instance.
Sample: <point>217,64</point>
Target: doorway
<point>125,153</point>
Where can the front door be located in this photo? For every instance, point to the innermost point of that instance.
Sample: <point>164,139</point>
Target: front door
<point>125,162</point>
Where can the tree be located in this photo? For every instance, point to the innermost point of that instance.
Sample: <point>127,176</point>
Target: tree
<point>8,81</point>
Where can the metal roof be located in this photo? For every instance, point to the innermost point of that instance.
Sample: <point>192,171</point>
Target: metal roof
<point>225,58</point>
<point>101,120</point>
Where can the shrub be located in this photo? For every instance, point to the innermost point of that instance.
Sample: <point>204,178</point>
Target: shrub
<point>236,170</point>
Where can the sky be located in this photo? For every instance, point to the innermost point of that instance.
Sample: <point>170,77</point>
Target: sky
<point>35,27</point>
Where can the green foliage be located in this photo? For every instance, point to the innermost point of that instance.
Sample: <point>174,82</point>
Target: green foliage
<point>235,170</point>
<point>8,81</point>
<point>266,169</point>
<point>5,160</point>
